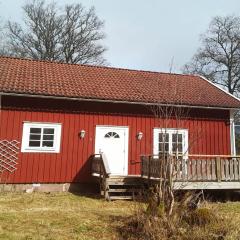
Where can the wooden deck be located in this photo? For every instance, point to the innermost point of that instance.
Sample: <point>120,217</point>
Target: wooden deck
<point>197,171</point>
<point>200,172</point>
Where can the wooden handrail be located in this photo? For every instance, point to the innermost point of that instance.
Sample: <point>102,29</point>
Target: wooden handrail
<point>196,155</point>
<point>100,165</point>
<point>105,163</point>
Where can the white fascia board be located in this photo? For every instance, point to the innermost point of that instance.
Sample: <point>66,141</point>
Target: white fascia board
<point>215,85</point>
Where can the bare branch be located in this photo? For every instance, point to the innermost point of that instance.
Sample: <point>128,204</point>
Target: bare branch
<point>219,57</point>
<point>72,35</point>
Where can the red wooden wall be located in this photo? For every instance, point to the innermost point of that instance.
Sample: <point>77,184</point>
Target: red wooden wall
<point>209,133</point>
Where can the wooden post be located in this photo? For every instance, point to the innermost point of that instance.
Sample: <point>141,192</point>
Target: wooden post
<point>218,169</point>
<point>142,159</point>
<point>149,167</point>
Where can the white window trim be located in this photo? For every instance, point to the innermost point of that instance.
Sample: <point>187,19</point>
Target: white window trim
<point>26,133</point>
<point>156,132</point>
<point>232,133</point>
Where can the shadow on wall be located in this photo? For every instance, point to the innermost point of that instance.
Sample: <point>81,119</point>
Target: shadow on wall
<point>84,183</point>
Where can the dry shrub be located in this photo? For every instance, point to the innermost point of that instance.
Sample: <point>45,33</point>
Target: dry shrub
<point>200,217</point>
<point>185,223</point>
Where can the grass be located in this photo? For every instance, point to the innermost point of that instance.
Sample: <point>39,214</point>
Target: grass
<point>68,216</point>
<point>60,216</point>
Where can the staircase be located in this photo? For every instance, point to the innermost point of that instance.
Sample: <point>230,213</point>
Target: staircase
<point>121,187</point>
<point>115,187</point>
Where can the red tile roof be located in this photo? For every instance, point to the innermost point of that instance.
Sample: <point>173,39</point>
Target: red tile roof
<point>31,77</point>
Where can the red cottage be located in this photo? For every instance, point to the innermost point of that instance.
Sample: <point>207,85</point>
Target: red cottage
<point>55,117</point>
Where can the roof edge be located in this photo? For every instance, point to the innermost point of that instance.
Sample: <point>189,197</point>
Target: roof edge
<point>112,101</point>
<point>215,85</point>
<point>93,66</point>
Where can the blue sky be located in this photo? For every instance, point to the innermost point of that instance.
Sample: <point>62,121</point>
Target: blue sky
<point>147,34</point>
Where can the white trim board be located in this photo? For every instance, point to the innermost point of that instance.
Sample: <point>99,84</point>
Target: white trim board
<point>206,185</point>
<point>215,85</point>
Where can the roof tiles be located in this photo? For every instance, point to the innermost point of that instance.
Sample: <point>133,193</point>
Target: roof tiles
<point>32,77</point>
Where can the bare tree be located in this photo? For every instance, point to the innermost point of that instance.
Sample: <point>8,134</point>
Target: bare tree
<point>71,35</point>
<point>2,42</point>
<point>219,57</point>
<point>172,156</point>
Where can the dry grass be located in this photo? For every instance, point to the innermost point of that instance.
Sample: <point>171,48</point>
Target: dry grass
<point>67,216</point>
<point>60,216</point>
<point>212,221</point>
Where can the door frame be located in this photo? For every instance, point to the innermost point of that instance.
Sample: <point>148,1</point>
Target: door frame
<point>126,142</point>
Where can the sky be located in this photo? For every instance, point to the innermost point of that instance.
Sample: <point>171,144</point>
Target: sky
<point>147,34</point>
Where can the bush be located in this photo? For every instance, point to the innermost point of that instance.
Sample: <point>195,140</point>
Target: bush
<point>200,217</point>
<point>199,224</point>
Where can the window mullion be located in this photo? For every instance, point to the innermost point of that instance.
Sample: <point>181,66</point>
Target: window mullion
<point>41,138</point>
<point>170,142</point>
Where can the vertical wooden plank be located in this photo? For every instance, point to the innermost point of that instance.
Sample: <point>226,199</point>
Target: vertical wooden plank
<point>238,159</point>
<point>198,169</point>
<point>218,169</point>
<point>227,170</point>
<point>213,169</point>
<point>208,167</point>
<point>193,168</point>
<point>189,170</point>
<point>223,169</point>
<point>204,170</point>
<point>231,169</point>
<point>235,166</point>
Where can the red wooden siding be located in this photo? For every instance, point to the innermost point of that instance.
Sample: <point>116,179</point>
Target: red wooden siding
<point>208,134</point>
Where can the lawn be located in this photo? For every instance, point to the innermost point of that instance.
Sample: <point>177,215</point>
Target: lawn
<point>60,216</point>
<point>68,216</point>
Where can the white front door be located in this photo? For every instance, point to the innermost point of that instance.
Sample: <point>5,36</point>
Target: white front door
<point>113,142</point>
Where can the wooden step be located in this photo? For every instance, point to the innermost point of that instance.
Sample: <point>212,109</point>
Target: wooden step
<point>122,184</point>
<point>124,179</point>
<point>123,190</point>
<point>121,187</point>
<point>120,198</point>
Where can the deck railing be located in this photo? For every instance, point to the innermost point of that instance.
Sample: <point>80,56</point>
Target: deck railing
<point>100,165</point>
<point>199,168</point>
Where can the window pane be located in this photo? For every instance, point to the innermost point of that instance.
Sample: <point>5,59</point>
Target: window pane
<point>34,143</point>
<point>48,137</point>
<point>174,137</point>
<point>166,147</point>
<point>180,149</point>
<point>180,138</point>
<point>48,131</point>
<point>237,139</point>
<point>166,137</point>
<point>160,137</point>
<point>161,147</point>
<point>163,137</point>
<point>35,130</point>
<point>174,147</point>
<point>111,135</point>
<point>47,144</point>
<point>35,137</point>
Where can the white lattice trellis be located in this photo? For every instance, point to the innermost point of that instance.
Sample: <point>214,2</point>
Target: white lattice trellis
<point>8,155</point>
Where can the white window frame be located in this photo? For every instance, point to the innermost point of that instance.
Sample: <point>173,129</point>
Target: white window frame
<point>170,131</point>
<point>56,140</point>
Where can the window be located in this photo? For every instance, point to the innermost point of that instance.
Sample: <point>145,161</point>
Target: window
<point>172,141</point>
<point>111,135</point>
<point>41,137</point>
<point>237,139</point>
